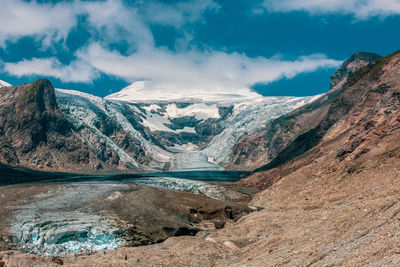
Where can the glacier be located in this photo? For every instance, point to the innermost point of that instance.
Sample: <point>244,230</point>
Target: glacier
<point>64,220</point>
<point>67,232</point>
<point>151,92</point>
<point>168,129</point>
<point>56,224</point>
<point>178,131</point>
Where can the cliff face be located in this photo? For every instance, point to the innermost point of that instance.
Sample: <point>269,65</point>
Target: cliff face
<point>262,147</point>
<point>365,111</point>
<point>35,133</point>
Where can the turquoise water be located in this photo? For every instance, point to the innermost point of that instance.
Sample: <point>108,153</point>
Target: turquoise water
<point>207,176</point>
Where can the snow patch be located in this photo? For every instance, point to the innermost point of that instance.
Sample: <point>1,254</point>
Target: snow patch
<point>149,92</point>
<point>201,111</point>
<point>4,84</point>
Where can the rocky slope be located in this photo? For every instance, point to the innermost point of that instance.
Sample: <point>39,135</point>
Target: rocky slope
<point>255,150</point>
<point>365,111</point>
<point>35,133</point>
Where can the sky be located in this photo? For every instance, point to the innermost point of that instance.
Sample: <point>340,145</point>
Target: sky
<point>276,47</point>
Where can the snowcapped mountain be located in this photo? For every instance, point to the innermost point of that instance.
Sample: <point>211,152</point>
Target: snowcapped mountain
<point>4,84</point>
<point>149,92</point>
<point>169,131</point>
<point>152,128</point>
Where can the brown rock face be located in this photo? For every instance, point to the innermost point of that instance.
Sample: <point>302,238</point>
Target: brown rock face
<point>262,147</point>
<point>34,132</point>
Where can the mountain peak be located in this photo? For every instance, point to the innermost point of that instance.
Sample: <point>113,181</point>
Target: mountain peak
<point>350,66</point>
<point>4,84</point>
<point>147,91</point>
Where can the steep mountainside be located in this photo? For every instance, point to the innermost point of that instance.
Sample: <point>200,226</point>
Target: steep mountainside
<point>255,150</point>
<point>131,129</point>
<point>365,111</point>
<point>349,67</point>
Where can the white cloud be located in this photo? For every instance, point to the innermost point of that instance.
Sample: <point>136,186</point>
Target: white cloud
<point>191,70</point>
<point>176,14</point>
<point>361,9</point>
<point>45,21</point>
<point>112,21</point>
<point>204,71</point>
<point>76,71</point>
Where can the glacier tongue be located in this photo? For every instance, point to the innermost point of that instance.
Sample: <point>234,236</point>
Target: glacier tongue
<point>66,232</point>
<point>54,225</point>
<point>247,117</point>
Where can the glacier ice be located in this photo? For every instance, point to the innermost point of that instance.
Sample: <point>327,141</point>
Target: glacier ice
<point>56,224</point>
<point>64,232</point>
<point>151,92</point>
<point>195,187</point>
<point>61,221</point>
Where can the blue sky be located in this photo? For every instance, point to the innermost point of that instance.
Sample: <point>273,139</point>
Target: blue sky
<point>277,47</point>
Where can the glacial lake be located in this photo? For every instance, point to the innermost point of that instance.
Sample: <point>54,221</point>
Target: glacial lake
<point>206,176</point>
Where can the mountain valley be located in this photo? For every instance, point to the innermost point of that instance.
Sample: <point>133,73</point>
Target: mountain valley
<point>323,190</point>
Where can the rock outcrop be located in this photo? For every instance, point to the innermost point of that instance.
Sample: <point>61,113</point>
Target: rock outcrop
<point>349,67</point>
<point>35,133</point>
